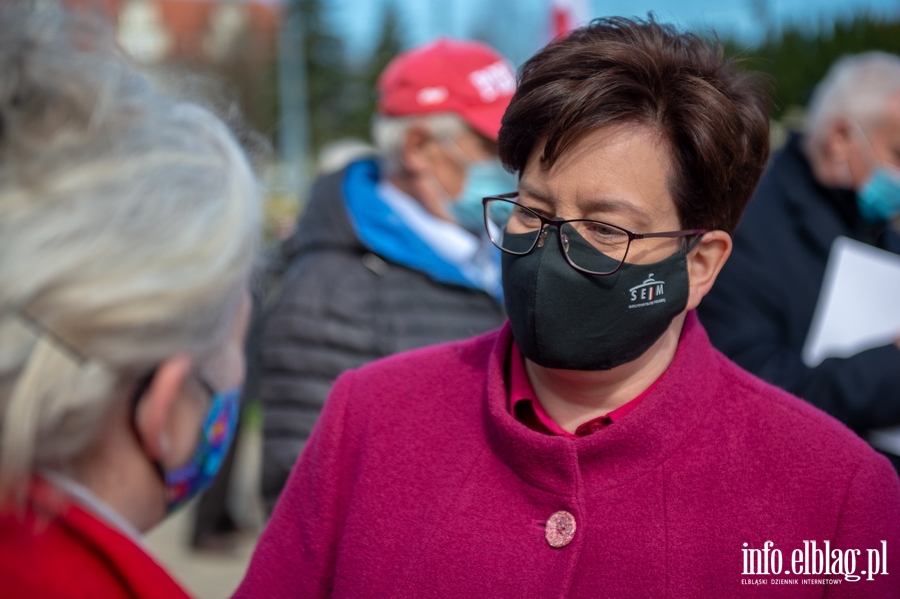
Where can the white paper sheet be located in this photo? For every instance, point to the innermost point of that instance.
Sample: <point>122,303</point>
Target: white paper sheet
<point>859,303</point>
<point>858,309</point>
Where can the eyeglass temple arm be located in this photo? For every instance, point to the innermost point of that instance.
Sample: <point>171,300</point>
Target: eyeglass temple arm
<point>670,234</point>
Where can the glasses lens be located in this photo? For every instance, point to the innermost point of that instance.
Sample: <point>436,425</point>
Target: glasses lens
<point>594,246</point>
<point>512,228</point>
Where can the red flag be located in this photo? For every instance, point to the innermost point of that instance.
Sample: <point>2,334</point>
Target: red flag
<point>566,15</point>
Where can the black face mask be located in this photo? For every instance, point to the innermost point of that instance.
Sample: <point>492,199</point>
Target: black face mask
<point>563,318</point>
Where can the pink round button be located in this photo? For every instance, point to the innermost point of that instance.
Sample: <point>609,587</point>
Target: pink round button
<point>560,529</point>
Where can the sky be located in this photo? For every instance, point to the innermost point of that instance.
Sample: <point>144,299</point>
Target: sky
<point>518,28</point>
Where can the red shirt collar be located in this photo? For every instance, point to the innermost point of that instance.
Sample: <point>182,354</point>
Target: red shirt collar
<point>525,406</point>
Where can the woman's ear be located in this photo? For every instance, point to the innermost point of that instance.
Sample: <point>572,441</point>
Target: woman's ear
<point>705,262</point>
<point>155,407</point>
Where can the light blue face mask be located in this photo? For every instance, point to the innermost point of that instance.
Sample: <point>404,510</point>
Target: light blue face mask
<point>483,178</point>
<point>879,198</point>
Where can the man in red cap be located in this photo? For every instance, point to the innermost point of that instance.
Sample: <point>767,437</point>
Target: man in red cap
<point>391,254</point>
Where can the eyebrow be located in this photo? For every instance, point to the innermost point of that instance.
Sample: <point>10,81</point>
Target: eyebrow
<point>593,205</point>
<point>534,193</point>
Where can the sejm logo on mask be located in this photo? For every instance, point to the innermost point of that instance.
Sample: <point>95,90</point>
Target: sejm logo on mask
<point>647,293</point>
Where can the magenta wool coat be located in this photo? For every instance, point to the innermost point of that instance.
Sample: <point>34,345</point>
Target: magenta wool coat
<point>417,482</point>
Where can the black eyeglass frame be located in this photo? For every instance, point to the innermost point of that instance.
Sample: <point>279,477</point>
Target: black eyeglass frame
<point>558,223</point>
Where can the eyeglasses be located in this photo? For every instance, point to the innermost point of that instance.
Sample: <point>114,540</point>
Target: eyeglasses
<point>590,246</point>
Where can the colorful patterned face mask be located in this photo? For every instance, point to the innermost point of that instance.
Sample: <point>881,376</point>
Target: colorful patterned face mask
<point>215,438</point>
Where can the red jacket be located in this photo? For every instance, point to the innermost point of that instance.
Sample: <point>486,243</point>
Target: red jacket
<point>417,482</point>
<point>54,549</point>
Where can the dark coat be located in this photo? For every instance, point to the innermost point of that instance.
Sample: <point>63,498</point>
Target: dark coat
<point>340,307</point>
<point>761,306</point>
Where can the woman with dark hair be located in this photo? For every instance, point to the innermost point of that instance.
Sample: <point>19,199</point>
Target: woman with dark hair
<point>596,445</point>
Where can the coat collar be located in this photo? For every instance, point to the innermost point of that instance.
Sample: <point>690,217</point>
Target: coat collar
<point>666,419</point>
<point>128,567</point>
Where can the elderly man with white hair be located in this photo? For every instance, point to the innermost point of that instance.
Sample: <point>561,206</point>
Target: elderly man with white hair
<point>840,178</point>
<point>391,253</point>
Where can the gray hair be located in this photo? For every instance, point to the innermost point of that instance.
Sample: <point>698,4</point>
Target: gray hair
<point>389,133</point>
<point>857,86</point>
<point>337,154</point>
<point>128,228</point>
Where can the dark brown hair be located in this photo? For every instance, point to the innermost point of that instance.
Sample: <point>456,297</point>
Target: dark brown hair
<point>621,71</point>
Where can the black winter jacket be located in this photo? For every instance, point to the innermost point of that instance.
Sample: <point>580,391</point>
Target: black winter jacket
<point>341,306</point>
<point>760,309</point>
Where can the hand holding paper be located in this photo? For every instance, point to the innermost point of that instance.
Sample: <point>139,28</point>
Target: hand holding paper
<point>858,309</point>
<point>859,303</point>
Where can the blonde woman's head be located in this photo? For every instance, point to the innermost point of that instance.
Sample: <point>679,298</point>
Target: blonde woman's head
<point>128,228</point>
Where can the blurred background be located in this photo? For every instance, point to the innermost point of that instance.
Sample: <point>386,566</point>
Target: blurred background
<point>302,73</point>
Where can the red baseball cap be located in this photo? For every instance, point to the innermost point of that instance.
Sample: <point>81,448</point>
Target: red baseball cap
<point>467,78</point>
